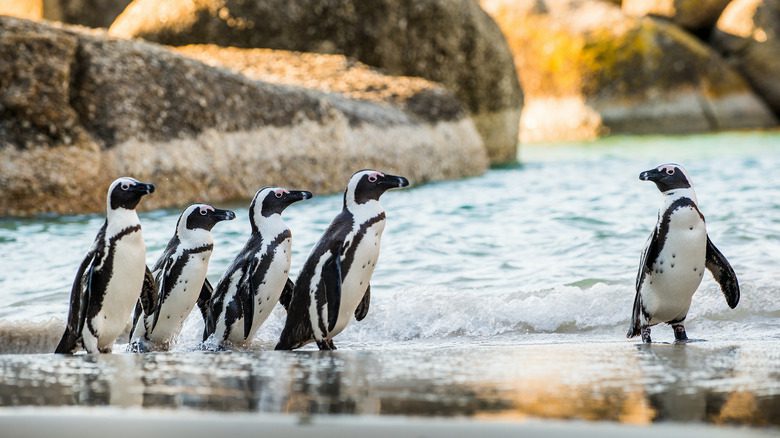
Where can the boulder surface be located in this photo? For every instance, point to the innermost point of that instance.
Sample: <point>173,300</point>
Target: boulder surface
<point>748,35</point>
<point>693,15</point>
<point>587,69</point>
<point>448,41</point>
<point>78,109</point>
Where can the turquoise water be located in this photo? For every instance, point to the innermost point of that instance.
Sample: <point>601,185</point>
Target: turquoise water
<point>505,294</point>
<point>533,252</point>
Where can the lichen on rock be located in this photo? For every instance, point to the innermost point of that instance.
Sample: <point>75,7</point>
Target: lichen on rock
<point>618,74</point>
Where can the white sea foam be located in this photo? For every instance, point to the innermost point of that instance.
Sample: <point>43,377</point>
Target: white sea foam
<point>438,313</point>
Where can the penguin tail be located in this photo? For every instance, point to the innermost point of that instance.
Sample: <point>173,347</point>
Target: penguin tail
<point>635,329</point>
<point>294,336</point>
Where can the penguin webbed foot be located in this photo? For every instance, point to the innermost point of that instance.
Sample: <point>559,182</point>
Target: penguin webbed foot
<point>326,345</point>
<point>679,333</point>
<point>646,335</point>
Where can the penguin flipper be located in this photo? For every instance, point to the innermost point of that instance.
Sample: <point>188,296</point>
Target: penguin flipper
<point>362,308</point>
<point>79,301</point>
<point>287,293</point>
<point>331,278</point>
<point>162,290</point>
<point>203,299</point>
<point>148,293</point>
<point>723,274</point>
<point>649,254</point>
<point>246,295</point>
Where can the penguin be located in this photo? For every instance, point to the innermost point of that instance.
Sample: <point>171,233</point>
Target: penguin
<point>109,280</point>
<point>179,280</point>
<point>258,278</point>
<point>334,282</point>
<point>674,259</point>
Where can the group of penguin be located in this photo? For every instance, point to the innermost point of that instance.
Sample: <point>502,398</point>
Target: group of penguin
<point>113,282</point>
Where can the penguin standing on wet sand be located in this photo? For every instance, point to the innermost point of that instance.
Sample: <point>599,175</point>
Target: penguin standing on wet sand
<point>179,280</point>
<point>334,282</point>
<point>259,276</point>
<point>109,280</point>
<point>674,259</point>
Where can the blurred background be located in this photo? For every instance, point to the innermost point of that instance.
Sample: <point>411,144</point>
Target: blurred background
<point>434,89</point>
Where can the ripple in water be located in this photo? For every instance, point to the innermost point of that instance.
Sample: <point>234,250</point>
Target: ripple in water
<point>549,247</point>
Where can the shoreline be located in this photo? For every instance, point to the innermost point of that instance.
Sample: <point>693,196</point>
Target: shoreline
<point>69,422</point>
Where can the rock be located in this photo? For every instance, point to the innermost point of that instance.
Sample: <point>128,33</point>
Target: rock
<point>331,74</point>
<point>448,41</point>
<point>748,35</point>
<point>31,9</point>
<point>587,70</point>
<point>92,13</point>
<point>80,109</point>
<point>693,15</point>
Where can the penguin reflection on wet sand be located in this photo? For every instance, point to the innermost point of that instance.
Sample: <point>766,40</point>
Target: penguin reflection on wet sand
<point>334,282</point>
<point>109,280</point>
<point>179,280</point>
<point>258,277</point>
<point>674,259</point>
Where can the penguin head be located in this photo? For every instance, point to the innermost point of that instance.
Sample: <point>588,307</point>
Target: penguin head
<point>126,192</point>
<point>202,217</point>
<point>368,185</point>
<point>667,177</point>
<point>269,201</point>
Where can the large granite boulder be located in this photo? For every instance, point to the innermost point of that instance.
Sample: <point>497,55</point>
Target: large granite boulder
<point>448,41</point>
<point>748,35</point>
<point>588,69</point>
<point>92,13</point>
<point>31,9</point>
<point>79,109</point>
<point>693,15</point>
<point>331,74</point>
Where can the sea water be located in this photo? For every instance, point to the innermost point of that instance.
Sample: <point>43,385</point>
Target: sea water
<point>519,266</point>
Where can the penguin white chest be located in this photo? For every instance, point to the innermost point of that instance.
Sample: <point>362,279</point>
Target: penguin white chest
<point>123,289</point>
<point>677,272</point>
<point>182,298</point>
<point>358,277</point>
<point>269,289</point>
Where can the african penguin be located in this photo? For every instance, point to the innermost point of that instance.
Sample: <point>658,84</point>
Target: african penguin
<point>334,282</point>
<point>674,259</point>
<point>179,280</point>
<point>109,280</point>
<point>258,277</point>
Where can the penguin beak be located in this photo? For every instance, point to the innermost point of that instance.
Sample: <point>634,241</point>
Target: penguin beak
<point>298,195</point>
<point>143,188</point>
<point>393,181</point>
<point>651,175</point>
<point>223,215</point>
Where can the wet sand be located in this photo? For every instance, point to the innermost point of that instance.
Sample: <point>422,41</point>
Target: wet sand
<point>81,423</point>
<point>718,382</point>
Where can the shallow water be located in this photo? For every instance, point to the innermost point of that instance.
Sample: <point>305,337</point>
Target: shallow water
<point>541,253</point>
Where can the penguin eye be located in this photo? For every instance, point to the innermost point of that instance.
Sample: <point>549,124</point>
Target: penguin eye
<point>203,211</point>
<point>278,194</point>
<point>372,178</point>
<point>125,186</point>
<point>670,171</point>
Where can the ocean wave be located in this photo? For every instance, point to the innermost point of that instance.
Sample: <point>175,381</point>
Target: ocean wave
<point>421,313</point>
